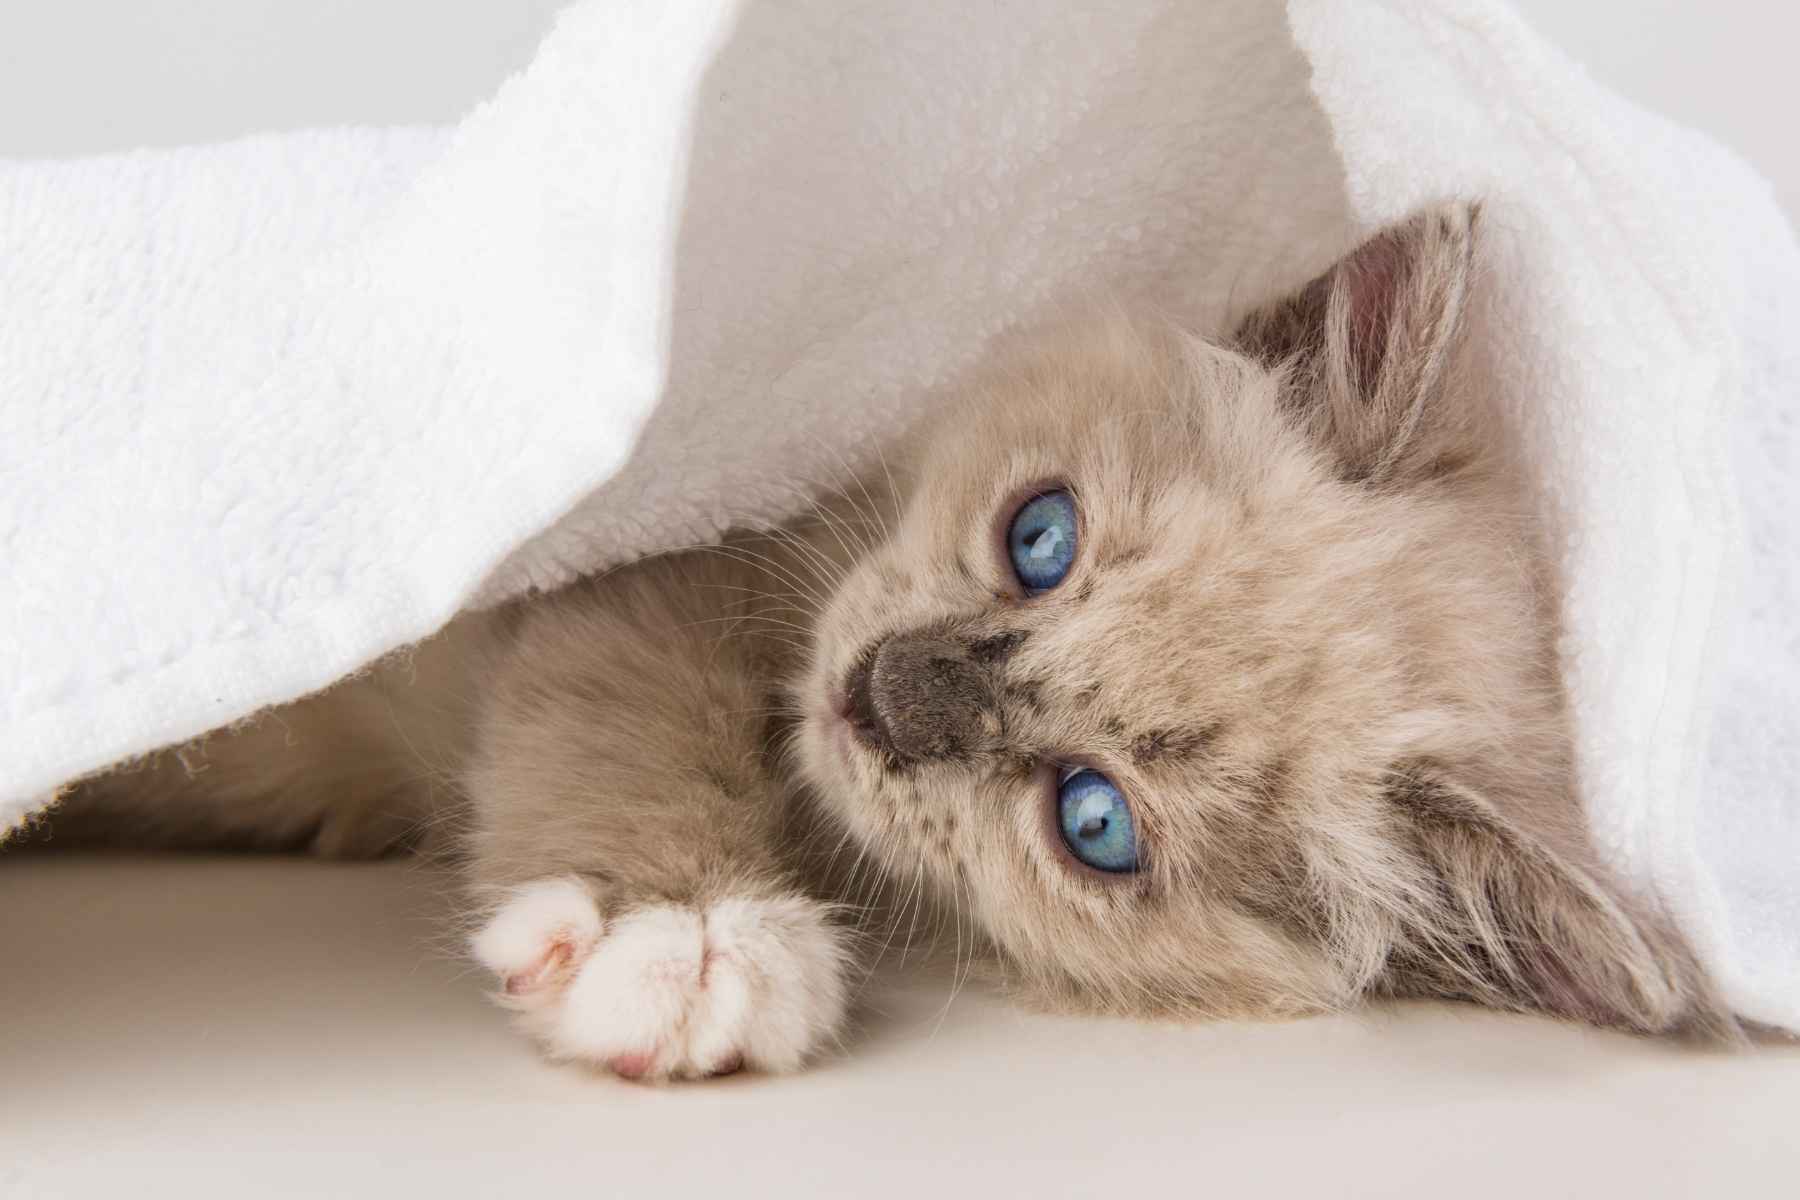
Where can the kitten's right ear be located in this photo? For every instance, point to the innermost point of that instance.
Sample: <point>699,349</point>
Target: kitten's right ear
<point>1368,342</point>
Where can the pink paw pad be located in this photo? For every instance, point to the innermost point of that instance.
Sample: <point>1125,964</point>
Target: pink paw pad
<point>539,937</point>
<point>554,962</point>
<point>632,1066</point>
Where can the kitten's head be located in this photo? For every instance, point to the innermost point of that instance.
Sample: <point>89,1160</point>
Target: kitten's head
<point>1219,679</point>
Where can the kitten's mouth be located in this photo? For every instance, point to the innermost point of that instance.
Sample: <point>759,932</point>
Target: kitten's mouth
<point>855,706</point>
<point>836,726</point>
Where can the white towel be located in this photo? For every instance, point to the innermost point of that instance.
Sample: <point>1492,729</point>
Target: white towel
<point>270,409</point>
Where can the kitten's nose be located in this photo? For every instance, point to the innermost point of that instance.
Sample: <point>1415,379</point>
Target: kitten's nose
<point>920,698</point>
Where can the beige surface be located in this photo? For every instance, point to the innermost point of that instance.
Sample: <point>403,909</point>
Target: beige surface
<point>276,1027</point>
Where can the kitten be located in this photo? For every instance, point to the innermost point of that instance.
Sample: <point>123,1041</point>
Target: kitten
<point>1208,680</point>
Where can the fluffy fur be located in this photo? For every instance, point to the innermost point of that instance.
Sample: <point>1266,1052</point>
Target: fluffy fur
<point>1307,631</point>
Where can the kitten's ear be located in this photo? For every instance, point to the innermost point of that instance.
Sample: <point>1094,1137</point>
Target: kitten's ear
<point>1368,343</point>
<point>1513,926</point>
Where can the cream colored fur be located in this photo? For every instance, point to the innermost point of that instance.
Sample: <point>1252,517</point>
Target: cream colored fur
<point>1307,632</point>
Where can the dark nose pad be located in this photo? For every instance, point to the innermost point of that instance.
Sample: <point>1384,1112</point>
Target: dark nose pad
<point>920,698</point>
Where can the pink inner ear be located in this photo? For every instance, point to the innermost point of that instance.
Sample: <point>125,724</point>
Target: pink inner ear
<point>1373,276</point>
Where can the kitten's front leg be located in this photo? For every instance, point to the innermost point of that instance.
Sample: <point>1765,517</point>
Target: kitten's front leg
<point>641,912</point>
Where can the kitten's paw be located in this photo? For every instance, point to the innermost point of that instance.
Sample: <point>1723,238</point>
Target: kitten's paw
<point>666,991</point>
<point>538,939</point>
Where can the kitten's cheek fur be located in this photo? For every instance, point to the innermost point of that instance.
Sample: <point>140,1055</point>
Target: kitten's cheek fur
<point>666,991</point>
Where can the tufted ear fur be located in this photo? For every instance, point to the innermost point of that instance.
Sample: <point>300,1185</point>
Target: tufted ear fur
<point>1509,923</point>
<point>1368,343</point>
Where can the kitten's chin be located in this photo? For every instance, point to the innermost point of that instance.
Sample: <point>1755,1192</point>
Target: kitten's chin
<point>827,745</point>
<point>835,767</point>
<point>840,741</point>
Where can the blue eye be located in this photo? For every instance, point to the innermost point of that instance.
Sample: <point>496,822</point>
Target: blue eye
<point>1096,822</point>
<point>1041,541</point>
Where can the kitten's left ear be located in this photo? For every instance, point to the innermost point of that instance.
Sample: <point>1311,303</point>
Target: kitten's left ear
<point>1368,343</point>
<point>1510,923</point>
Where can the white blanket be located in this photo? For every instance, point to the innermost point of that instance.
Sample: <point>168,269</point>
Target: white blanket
<point>271,409</point>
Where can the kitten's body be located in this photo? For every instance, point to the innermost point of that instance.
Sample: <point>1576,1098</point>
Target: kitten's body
<point>1307,634</point>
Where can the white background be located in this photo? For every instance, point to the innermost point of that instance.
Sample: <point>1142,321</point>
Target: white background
<point>85,76</point>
